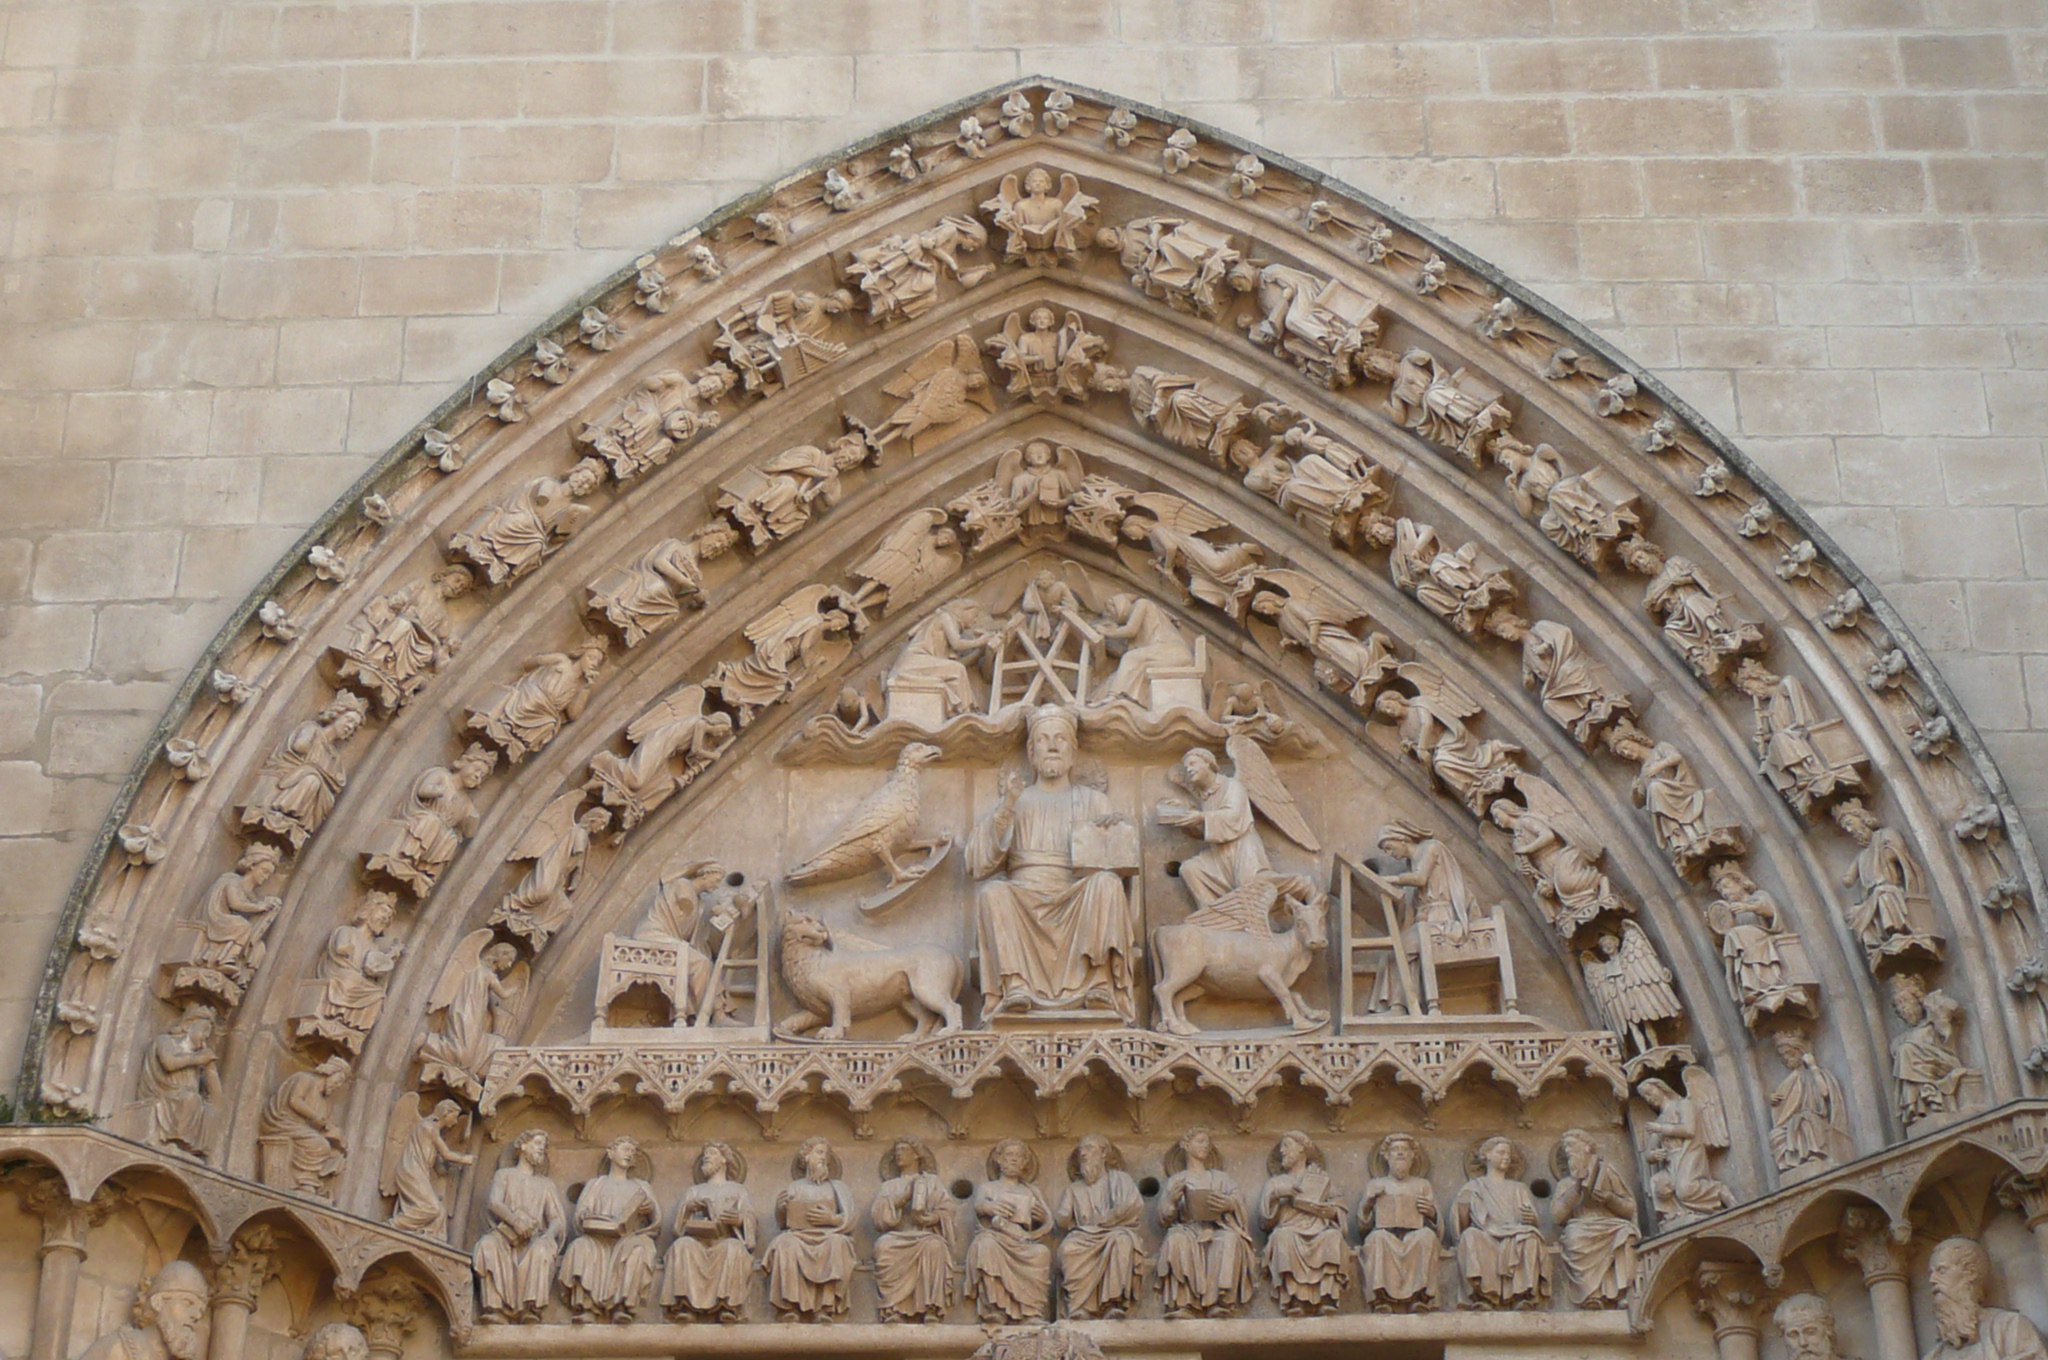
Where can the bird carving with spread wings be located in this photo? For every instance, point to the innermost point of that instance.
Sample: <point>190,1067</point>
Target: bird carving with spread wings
<point>913,557</point>
<point>1630,986</point>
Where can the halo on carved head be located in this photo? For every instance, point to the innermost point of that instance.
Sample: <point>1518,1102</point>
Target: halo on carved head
<point>640,1166</point>
<point>1517,1164</point>
<point>1560,1167</point>
<point>833,1168</point>
<point>1381,1163</point>
<point>1112,1155</point>
<point>1027,1172</point>
<point>1311,1155</point>
<point>1177,1155</point>
<point>515,1153</point>
<point>921,1158</point>
<point>735,1164</point>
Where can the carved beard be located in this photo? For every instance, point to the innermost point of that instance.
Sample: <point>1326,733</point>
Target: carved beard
<point>1955,1317</point>
<point>181,1338</point>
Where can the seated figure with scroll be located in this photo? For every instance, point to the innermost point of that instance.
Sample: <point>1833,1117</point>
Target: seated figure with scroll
<point>1057,929</point>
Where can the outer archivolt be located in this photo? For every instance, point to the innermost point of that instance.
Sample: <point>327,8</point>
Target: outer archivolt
<point>1394,484</point>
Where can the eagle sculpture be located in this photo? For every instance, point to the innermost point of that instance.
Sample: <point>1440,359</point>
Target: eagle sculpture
<point>883,827</point>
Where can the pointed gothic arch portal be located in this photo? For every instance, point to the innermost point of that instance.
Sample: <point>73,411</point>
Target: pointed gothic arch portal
<point>1054,620</point>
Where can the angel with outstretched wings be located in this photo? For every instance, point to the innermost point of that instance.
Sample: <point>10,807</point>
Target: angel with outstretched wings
<point>1171,525</point>
<point>1630,986</point>
<point>417,1160</point>
<point>1316,619</point>
<point>913,557</point>
<point>1044,228</point>
<point>1690,1124</point>
<point>943,392</point>
<point>467,1012</point>
<point>1223,815</point>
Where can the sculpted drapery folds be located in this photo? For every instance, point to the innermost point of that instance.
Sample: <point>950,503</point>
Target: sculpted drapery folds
<point>181,1081</point>
<point>1009,1264</point>
<point>710,1267</point>
<point>1690,1125</point>
<point>401,638</point>
<point>1151,645</point>
<point>1056,931</point>
<point>810,1263</point>
<point>1754,946</point>
<point>1808,1108</point>
<point>915,1252</point>
<point>417,1160</point>
<point>1596,1216</point>
<point>1206,1258</point>
<point>234,917</point>
<point>303,1148</point>
<point>1101,1257</point>
<point>515,1258</point>
<point>1888,913</point>
<point>354,975</point>
<point>299,783</point>
<point>1501,1251</point>
<point>611,1261</point>
<point>510,539</point>
<point>1306,1256</point>
<point>555,847</point>
<point>1968,1328</point>
<point>550,693</point>
<point>649,594</point>
<point>1430,725</point>
<point>1925,1063</point>
<point>1399,1230</point>
<point>676,731</point>
<point>413,848</point>
<point>478,985</point>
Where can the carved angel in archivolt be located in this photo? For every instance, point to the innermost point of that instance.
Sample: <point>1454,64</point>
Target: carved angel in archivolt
<point>1695,615</point>
<point>418,1163</point>
<point>513,537</point>
<point>549,694</point>
<point>648,595</point>
<point>900,274</point>
<point>1690,1125</point>
<point>297,786</point>
<point>918,553</point>
<point>1217,574</point>
<point>1182,263</point>
<point>1317,620</point>
<point>774,341</point>
<point>1044,229</point>
<point>661,412</point>
<point>1049,365</point>
<point>1577,692</point>
<point>1039,479</point>
<point>1190,412</point>
<point>943,392</point>
<point>554,848</point>
<point>401,638</point>
<point>1559,854</point>
<point>1432,731</point>
<point>1330,486</point>
<point>1630,987</point>
<point>413,848</point>
<point>468,1013</point>
<point>675,729</point>
<point>785,641</point>
<point>776,499</point>
<point>1466,587</point>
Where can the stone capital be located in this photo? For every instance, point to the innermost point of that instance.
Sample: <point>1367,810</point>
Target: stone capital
<point>1727,1294</point>
<point>388,1307</point>
<point>1871,1242</point>
<point>249,1262</point>
<point>2026,1195</point>
<point>65,1220</point>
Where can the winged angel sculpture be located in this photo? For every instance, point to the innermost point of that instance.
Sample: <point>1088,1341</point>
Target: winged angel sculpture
<point>1316,619</point>
<point>1228,946</point>
<point>943,392</point>
<point>1630,987</point>
<point>1691,1124</point>
<point>1431,727</point>
<point>467,1013</point>
<point>1218,574</point>
<point>640,781</point>
<point>1044,229</point>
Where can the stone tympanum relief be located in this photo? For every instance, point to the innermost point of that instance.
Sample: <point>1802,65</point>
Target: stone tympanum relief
<point>1139,801</point>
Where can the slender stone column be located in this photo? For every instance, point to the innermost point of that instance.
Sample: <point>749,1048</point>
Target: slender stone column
<point>387,1309</point>
<point>1873,1244</point>
<point>2028,1195</point>
<point>65,1223</point>
<point>1726,1294</point>
<point>237,1282</point>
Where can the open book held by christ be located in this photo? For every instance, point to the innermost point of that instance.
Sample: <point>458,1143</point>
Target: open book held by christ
<point>1113,847</point>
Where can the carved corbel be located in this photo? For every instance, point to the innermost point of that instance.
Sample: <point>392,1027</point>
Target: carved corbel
<point>1875,1243</point>
<point>388,1308</point>
<point>1727,1294</point>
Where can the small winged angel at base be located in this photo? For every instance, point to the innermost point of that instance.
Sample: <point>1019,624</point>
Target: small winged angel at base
<point>1630,987</point>
<point>1228,945</point>
<point>1690,1125</point>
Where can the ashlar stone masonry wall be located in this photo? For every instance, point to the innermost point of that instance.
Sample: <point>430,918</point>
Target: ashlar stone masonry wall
<point>243,246</point>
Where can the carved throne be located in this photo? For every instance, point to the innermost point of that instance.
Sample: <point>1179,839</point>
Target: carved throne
<point>1392,967</point>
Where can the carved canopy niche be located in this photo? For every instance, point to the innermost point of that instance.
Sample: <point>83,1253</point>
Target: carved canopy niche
<point>1560,769</point>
